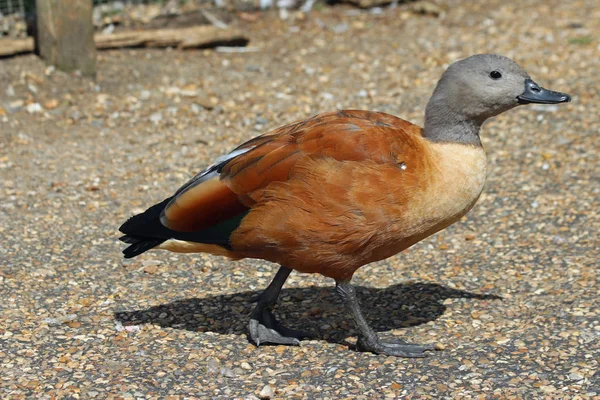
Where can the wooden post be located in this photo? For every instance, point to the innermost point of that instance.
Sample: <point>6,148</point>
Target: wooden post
<point>65,35</point>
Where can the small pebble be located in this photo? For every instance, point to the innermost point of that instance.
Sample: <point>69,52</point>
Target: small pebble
<point>266,392</point>
<point>34,108</point>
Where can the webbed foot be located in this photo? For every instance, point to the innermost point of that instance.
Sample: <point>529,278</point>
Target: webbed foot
<point>368,340</point>
<point>264,329</point>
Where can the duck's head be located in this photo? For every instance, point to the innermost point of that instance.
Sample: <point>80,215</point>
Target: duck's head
<point>482,86</point>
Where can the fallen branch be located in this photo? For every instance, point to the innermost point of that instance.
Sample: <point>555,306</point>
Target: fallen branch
<point>185,38</point>
<point>197,37</point>
<point>12,47</point>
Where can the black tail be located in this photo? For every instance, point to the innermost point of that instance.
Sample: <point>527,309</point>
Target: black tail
<point>144,231</point>
<point>138,245</point>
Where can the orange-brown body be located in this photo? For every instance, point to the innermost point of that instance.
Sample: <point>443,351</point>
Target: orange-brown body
<point>332,193</point>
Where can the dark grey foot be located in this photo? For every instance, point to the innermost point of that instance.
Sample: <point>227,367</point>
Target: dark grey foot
<point>264,329</point>
<point>367,338</point>
<point>398,349</point>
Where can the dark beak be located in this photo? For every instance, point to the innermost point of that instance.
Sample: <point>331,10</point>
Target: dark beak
<point>534,93</point>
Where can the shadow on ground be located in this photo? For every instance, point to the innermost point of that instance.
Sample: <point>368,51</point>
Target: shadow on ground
<point>315,310</point>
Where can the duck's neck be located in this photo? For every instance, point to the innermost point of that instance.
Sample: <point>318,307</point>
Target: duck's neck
<point>444,124</point>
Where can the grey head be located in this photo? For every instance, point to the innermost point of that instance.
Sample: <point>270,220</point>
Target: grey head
<point>475,89</point>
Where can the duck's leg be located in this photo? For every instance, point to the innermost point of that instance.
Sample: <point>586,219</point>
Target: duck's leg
<point>367,338</point>
<point>263,326</point>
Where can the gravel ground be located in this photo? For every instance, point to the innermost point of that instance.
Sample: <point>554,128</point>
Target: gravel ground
<point>511,291</point>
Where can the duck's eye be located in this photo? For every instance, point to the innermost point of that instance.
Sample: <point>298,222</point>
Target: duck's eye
<point>495,75</point>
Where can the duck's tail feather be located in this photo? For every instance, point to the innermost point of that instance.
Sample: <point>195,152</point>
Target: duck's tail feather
<point>139,244</point>
<point>144,231</point>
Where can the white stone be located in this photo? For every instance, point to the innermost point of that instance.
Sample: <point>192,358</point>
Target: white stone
<point>34,108</point>
<point>267,392</point>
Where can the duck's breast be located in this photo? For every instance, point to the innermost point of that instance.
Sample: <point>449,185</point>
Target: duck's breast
<point>458,174</point>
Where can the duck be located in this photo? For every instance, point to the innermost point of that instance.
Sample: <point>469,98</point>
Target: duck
<point>342,189</point>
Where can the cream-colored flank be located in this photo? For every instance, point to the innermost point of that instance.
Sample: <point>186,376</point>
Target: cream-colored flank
<point>182,246</point>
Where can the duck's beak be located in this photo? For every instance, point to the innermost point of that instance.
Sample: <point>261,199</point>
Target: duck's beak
<point>534,93</point>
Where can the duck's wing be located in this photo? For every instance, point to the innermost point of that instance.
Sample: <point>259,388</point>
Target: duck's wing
<point>211,205</point>
<point>235,182</point>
